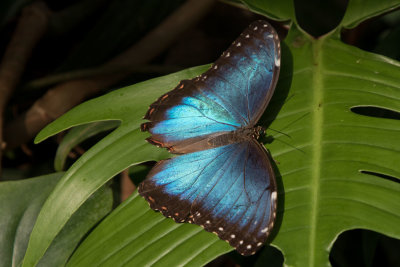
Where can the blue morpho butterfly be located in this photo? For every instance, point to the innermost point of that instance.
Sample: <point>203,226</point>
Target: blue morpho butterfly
<point>224,180</point>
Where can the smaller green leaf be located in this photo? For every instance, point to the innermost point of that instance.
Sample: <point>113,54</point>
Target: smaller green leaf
<point>135,235</point>
<point>76,136</point>
<point>20,203</point>
<point>360,10</point>
<point>277,10</point>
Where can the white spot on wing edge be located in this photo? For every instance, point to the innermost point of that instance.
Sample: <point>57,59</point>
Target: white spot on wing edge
<point>264,230</point>
<point>272,223</point>
<point>247,36</point>
<point>273,196</point>
<point>241,242</point>
<point>227,54</point>
<point>278,64</point>
<point>221,229</point>
<point>238,44</point>
<point>255,28</point>
<point>259,244</point>
<point>233,236</point>
<point>248,247</point>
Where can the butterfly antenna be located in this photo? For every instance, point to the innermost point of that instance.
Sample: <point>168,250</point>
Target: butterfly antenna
<point>287,99</point>
<point>285,134</point>
<point>286,143</point>
<point>296,120</point>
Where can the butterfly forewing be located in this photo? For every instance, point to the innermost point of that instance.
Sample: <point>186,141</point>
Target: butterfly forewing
<point>250,69</point>
<point>233,93</point>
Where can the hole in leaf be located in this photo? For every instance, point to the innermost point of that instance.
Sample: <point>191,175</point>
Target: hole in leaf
<point>378,112</point>
<point>319,17</point>
<point>364,248</point>
<point>138,173</point>
<point>381,175</point>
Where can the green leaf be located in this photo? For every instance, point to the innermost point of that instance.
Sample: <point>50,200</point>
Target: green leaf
<point>77,135</point>
<point>20,203</point>
<point>324,190</point>
<point>361,10</point>
<point>356,12</point>
<point>132,233</point>
<point>277,10</point>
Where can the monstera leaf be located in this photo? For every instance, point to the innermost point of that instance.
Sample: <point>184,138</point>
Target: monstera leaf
<point>337,166</point>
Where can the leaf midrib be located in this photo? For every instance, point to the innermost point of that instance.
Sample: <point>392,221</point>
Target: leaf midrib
<point>317,121</point>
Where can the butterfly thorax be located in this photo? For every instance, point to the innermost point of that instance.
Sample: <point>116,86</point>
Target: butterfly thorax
<point>241,134</point>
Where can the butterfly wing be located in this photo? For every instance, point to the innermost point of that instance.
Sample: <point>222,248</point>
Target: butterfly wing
<point>249,68</point>
<point>233,93</point>
<point>229,190</point>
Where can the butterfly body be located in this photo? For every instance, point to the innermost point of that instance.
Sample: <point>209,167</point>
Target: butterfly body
<point>223,180</point>
<point>240,135</point>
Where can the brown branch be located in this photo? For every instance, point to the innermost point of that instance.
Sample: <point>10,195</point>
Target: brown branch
<point>30,28</point>
<point>63,97</point>
<point>90,72</point>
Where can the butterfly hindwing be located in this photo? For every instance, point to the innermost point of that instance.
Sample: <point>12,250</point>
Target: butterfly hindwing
<point>233,93</point>
<point>172,185</point>
<point>229,190</point>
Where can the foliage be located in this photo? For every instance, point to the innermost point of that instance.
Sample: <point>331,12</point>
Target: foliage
<point>20,204</point>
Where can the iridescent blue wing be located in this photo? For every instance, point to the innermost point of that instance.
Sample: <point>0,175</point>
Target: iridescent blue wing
<point>233,93</point>
<point>229,190</point>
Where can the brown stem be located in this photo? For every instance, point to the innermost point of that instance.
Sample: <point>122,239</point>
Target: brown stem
<point>63,97</point>
<point>30,28</point>
<point>53,104</point>
<point>162,36</point>
<point>127,187</point>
